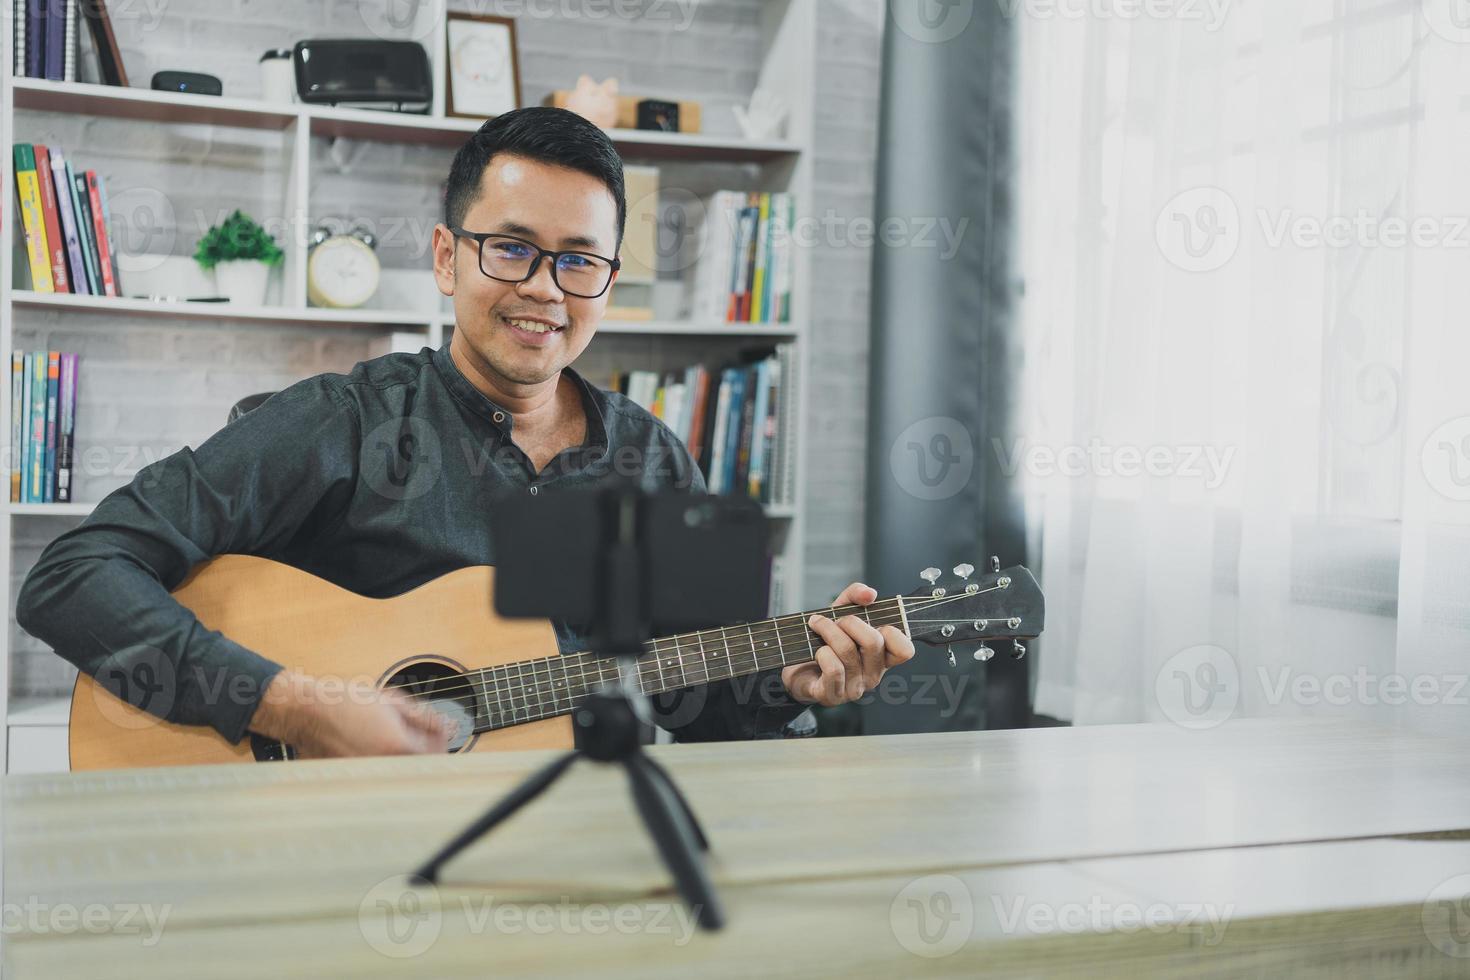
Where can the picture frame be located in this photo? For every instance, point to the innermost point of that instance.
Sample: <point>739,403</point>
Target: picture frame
<point>482,68</point>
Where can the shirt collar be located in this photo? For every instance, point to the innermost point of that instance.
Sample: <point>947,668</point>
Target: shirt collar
<point>594,401</point>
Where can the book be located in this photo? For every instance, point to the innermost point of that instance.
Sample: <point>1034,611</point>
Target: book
<point>61,183</point>
<point>38,427</point>
<point>54,59</point>
<point>69,43</point>
<point>55,243</point>
<point>53,404</point>
<point>13,457</point>
<point>99,229</point>
<point>33,226</point>
<point>107,235</point>
<point>24,460</point>
<point>732,430</point>
<point>35,31</point>
<point>784,489</point>
<point>66,433</point>
<point>715,477</point>
<point>755,468</point>
<point>18,18</point>
<point>109,56</point>
<point>758,292</point>
<point>84,230</point>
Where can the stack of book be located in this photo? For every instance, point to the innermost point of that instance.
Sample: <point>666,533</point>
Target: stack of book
<point>67,228</point>
<point>43,417</point>
<point>736,421</point>
<point>45,38</point>
<point>744,272</point>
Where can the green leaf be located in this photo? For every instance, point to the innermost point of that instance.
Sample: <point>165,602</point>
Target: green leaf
<point>237,237</point>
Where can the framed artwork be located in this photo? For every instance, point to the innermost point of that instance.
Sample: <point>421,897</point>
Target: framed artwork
<point>484,75</point>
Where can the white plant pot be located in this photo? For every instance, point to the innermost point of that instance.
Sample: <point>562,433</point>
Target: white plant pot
<point>242,280</point>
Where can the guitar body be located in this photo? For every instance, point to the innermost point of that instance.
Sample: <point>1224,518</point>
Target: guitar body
<point>439,630</point>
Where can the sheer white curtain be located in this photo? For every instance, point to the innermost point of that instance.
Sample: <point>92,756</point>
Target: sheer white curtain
<point>1247,402</point>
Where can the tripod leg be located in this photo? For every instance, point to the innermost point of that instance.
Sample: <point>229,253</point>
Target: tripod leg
<point>660,773</point>
<point>673,834</point>
<point>534,786</point>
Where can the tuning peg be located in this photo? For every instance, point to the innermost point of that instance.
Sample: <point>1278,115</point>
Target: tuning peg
<point>994,563</point>
<point>984,653</point>
<point>964,571</point>
<point>930,575</point>
<point>1018,649</point>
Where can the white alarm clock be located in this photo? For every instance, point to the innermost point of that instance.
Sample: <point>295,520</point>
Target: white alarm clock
<point>342,270</point>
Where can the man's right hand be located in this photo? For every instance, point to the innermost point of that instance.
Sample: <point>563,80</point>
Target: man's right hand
<point>324,720</point>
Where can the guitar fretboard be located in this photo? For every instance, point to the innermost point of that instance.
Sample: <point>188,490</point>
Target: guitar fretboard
<point>529,690</point>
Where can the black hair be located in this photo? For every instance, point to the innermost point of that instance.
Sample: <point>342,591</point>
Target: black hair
<point>541,133</point>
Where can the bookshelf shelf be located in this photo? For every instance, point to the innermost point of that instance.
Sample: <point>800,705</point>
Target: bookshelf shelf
<point>81,98</point>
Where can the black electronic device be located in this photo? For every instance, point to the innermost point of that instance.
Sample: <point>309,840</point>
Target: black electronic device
<point>192,82</point>
<point>363,73</point>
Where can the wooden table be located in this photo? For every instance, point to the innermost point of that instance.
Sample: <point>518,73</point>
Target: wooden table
<point>1319,848</point>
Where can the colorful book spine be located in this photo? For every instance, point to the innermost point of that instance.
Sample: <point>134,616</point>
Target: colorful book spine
<point>84,230</point>
<point>55,57</point>
<point>24,467</point>
<point>66,436</point>
<point>61,180</point>
<point>755,471</point>
<point>107,236</point>
<point>13,458</point>
<point>99,229</point>
<point>51,219</point>
<point>732,430</point>
<point>758,291</point>
<point>35,38</point>
<point>37,452</point>
<point>33,222</point>
<point>53,406</point>
<point>716,475</point>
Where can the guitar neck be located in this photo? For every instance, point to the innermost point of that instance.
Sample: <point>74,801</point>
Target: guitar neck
<point>548,686</point>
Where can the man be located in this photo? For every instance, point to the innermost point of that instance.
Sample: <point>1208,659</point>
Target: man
<point>380,480</point>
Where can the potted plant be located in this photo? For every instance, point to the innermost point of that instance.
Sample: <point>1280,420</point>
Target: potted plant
<point>241,254</point>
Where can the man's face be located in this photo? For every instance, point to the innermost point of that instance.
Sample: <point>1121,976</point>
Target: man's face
<point>557,208</point>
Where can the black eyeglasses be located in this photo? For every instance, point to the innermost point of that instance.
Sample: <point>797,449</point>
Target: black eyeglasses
<point>507,258</point>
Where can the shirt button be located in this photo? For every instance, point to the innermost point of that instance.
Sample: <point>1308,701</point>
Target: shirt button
<point>499,416</point>
<point>533,491</point>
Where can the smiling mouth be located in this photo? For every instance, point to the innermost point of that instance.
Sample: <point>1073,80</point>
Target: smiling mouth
<point>532,326</point>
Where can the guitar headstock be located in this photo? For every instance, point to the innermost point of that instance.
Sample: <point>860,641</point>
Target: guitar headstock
<point>999,605</point>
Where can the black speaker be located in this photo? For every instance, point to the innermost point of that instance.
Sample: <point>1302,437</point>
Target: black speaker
<point>364,72</point>
<point>193,82</point>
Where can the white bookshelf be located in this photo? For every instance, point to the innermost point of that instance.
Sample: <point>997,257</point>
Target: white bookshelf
<point>32,728</point>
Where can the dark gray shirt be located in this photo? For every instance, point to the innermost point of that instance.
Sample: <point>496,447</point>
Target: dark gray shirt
<point>377,481</point>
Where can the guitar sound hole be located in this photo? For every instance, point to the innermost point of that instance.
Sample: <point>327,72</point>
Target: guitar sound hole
<point>446,691</point>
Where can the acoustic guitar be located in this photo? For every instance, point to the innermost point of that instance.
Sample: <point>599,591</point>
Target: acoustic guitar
<point>503,681</point>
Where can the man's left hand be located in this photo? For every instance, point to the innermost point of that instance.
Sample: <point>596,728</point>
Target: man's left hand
<point>854,656</point>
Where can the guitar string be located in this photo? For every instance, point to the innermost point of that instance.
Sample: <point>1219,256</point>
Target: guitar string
<point>519,688</point>
<point>649,669</point>
<point>766,631</point>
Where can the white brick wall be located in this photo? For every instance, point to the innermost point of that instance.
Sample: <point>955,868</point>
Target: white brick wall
<point>149,389</point>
